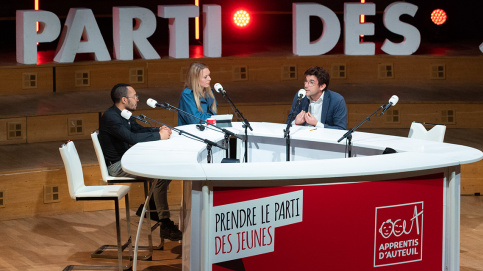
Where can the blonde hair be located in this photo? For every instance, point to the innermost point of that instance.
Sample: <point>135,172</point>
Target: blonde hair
<point>192,81</point>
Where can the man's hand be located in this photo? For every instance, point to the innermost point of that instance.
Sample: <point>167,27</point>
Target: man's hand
<point>165,132</point>
<point>310,119</point>
<point>300,118</point>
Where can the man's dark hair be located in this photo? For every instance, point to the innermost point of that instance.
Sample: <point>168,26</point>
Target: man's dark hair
<point>322,75</point>
<point>119,91</point>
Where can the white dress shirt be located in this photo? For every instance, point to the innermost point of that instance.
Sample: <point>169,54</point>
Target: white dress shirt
<point>315,108</point>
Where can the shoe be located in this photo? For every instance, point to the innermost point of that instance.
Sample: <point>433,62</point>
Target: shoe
<point>169,230</point>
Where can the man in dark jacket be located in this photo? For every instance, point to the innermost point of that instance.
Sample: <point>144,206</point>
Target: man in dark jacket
<point>320,107</point>
<point>117,134</point>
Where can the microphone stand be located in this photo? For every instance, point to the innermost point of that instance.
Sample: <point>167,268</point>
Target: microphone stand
<point>348,135</point>
<point>245,122</point>
<point>209,143</point>
<point>227,132</point>
<point>286,134</point>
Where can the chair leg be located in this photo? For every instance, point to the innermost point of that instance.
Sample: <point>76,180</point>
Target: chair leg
<point>161,244</point>
<point>128,221</point>
<point>148,190</point>
<point>118,235</point>
<point>146,194</point>
<point>90,267</point>
<point>142,215</point>
<point>150,229</point>
<point>120,247</point>
<point>149,247</point>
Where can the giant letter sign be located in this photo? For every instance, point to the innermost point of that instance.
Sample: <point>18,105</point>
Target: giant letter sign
<point>125,37</point>
<point>178,27</point>
<point>412,37</point>
<point>353,29</point>
<point>27,36</point>
<point>301,29</point>
<point>81,23</point>
<point>81,33</point>
<point>212,30</point>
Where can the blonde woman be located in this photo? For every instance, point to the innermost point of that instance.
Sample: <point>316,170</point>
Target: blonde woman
<point>197,98</point>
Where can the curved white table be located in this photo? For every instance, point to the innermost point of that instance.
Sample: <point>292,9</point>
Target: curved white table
<point>317,159</point>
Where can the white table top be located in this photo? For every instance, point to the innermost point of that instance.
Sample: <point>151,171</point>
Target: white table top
<point>179,157</point>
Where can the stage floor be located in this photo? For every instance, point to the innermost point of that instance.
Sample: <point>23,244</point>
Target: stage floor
<point>53,242</point>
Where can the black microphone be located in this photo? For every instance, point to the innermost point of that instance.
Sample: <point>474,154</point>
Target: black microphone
<point>127,115</point>
<point>392,102</point>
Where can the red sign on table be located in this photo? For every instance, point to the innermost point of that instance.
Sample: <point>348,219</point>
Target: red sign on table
<point>377,225</point>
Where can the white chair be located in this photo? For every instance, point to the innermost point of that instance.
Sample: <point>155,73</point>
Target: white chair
<point>112,180</point>
<point>79,191</point>
<point>102,164</point>
<point>418,131</point>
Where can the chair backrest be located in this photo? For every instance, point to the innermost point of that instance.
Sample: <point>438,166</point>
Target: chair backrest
<point>436,133</point>
<point>100,156</point>
<point>73,168</point>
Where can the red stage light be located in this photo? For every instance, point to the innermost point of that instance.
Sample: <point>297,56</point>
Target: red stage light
<point>241,18</point>
<point>438,16</point>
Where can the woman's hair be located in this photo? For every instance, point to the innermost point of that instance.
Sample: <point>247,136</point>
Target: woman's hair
<point>193,82</point>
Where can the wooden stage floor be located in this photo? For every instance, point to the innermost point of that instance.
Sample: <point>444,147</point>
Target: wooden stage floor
<point>46,243</point>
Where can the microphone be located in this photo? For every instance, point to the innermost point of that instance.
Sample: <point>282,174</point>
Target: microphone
<point>127,115</point>
<point>183,133</point>
<point>219,88</point>
<point>301,94</point>
<point>392,102</point>
<point>291,117</point>
<point>153,103</point>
